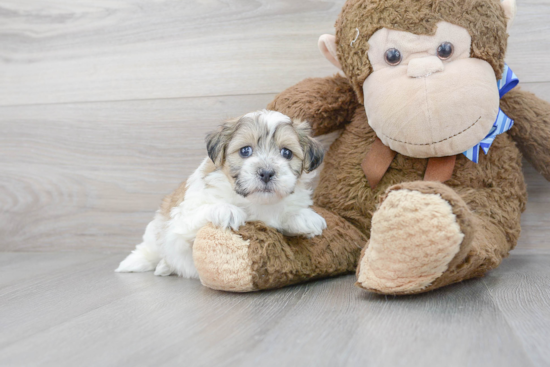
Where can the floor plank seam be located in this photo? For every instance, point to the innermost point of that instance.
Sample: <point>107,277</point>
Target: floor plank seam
<point>140,99</point>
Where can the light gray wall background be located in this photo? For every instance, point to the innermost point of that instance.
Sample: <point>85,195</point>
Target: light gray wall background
<point>104,104</point>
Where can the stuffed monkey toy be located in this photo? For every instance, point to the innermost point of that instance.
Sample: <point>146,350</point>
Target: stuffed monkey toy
<point>424,186</point>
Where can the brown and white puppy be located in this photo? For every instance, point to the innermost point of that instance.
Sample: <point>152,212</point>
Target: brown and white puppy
<point>258,169</point>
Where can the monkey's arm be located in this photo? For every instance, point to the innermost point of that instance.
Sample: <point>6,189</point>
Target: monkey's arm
<point>326,103</point>
<point>531,130</point>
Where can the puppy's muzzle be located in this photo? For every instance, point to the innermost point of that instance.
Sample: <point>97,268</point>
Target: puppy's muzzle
<point>266,175</point>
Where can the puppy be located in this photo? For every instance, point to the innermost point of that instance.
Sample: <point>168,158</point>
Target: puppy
<point>258,169</point>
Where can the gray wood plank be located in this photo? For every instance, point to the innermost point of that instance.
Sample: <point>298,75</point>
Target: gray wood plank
<point>18,268</point>
<point>91,175</point>
<point>87,315</point>
<point>535,222</point>
<point>529,32</point>
<point>57,51</point>
<point>340,325</point>
<point>520,289</point>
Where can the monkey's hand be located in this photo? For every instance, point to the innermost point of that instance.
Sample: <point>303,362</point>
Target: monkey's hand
<point>326,103</point>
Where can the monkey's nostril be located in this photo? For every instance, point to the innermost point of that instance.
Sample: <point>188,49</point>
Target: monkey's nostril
<point>266,175</point>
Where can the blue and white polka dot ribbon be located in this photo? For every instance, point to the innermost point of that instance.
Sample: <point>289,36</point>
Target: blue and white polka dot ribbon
<point>502,124</point>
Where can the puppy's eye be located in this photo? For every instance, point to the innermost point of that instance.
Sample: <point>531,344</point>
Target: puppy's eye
<point>286,153</point>
<point>445,50</point>
<point>245,152</point>
<point>393,57</point>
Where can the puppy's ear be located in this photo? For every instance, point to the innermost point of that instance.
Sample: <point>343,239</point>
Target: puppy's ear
<point>217,141</point>
<point>215,147</point>
<point>313,150</point>
<point>314,155</point>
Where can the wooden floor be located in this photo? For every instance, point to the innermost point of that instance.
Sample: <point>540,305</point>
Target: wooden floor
<point>103,109</point>
<point>71,309</point>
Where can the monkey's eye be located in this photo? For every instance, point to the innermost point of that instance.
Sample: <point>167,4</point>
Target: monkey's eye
<point>245,152</point>
<point>445,50</point>
<point>393,57</point>
<point>286,153</point>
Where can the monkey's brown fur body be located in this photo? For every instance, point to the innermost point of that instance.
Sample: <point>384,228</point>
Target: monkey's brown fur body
<point>487,198</point>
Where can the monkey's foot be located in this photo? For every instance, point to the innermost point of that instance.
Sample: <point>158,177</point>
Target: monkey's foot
<point>421,231</point>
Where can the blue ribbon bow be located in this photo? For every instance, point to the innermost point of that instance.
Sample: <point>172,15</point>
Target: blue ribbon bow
<point>502,124</point>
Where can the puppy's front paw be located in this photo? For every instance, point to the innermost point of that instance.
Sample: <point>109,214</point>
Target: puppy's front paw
<point>227,216</point>
<point>304,222</point>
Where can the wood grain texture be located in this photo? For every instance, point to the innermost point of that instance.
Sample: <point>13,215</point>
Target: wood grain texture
<point>521,292</point>
<point>90,176</point>
<point>61,51</point>
<point>529,40</point>
<point>81,313</point>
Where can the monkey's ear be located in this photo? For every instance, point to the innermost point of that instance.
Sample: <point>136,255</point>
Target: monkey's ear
<point>314,155</point>
<point>327,45</point>
<point>510,8</point>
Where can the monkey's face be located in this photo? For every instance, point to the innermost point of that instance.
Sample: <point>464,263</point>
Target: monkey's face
<point>425,96</point>
<point>426,70</point>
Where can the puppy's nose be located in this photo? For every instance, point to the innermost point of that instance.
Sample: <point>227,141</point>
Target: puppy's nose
<point>266,175</point>
<point>422,67</point>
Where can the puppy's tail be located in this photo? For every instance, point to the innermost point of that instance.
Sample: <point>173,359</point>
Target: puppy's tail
<point>146,255</point>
